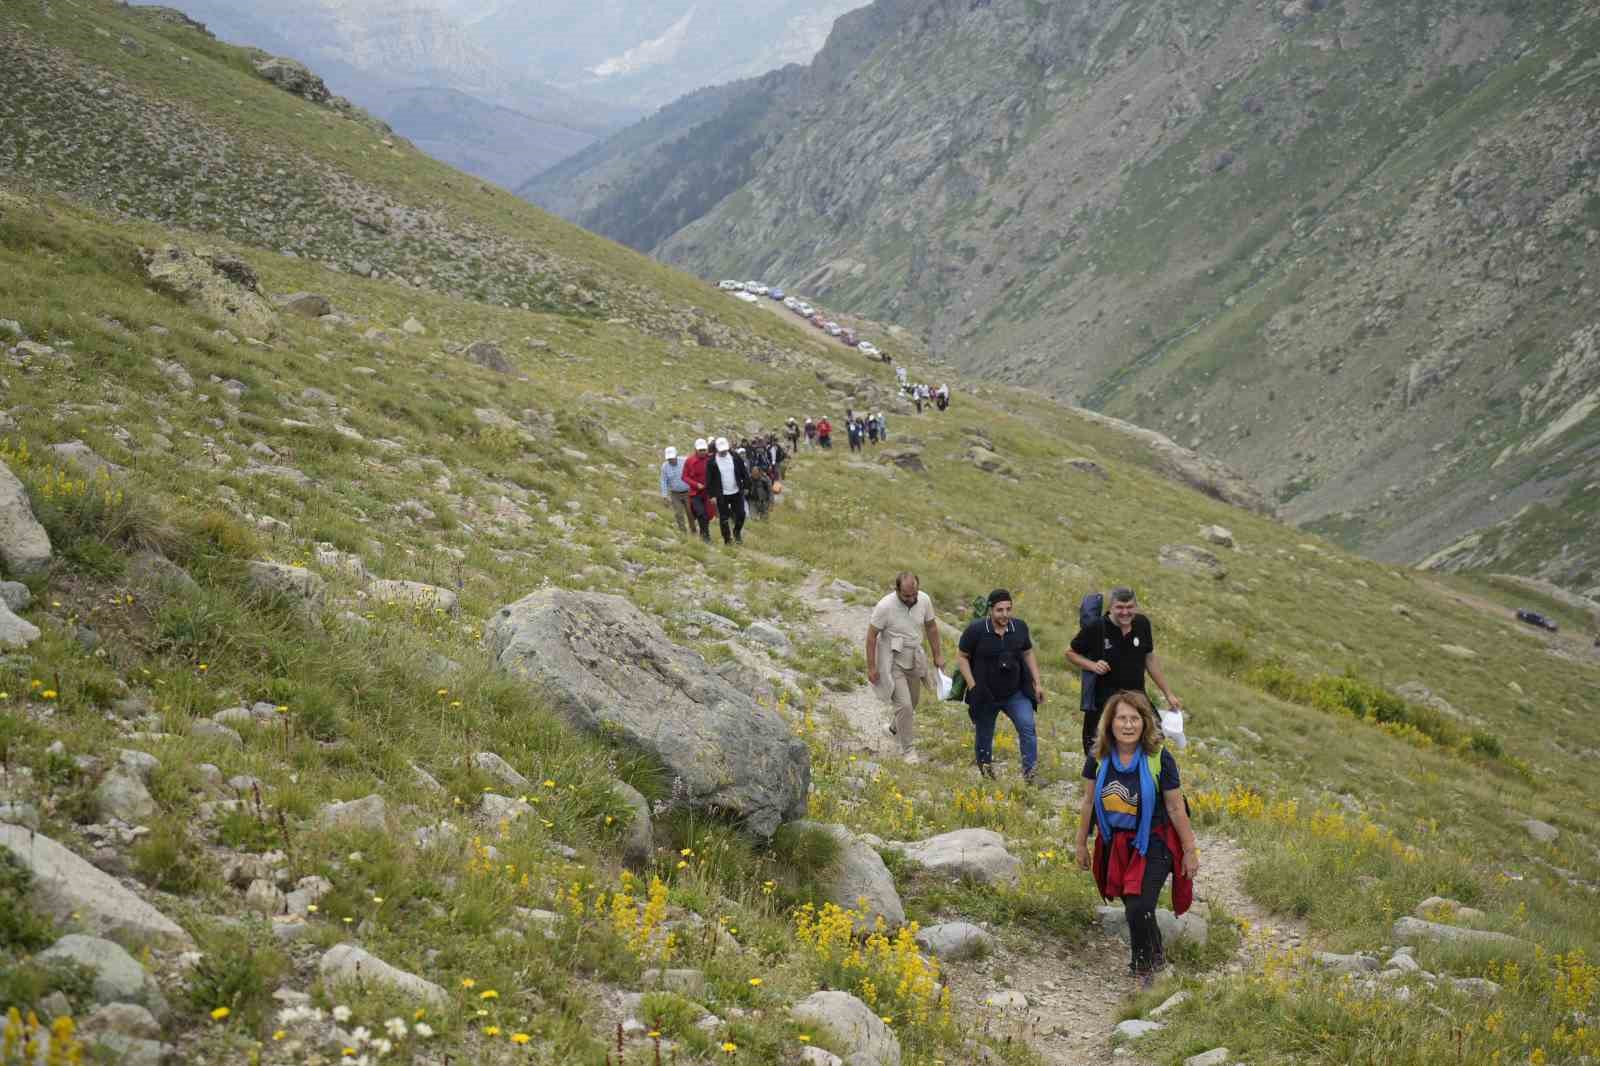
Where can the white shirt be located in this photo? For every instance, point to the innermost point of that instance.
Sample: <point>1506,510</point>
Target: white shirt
<point>730,482</point>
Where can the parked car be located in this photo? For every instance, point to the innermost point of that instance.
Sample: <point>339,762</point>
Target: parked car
<point>760,290</point>
<point>868,348</point>
<point>776,294</point>
<point>818,321</point>
<point>1534,618</point>
<point>833,329</point>
<point>791,303</point>
<point>849,337</point>
<point>806,309</point>
<point>748,297</point>
<point>730,286</point>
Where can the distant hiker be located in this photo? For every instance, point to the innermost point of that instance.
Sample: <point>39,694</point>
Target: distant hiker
<point>900,376</point>
<point>919,393</point>
<point>942,397</point>
<point>1119,649</point>
<point>776,457</point>
<point>702,507</point>
<point>727,480</point>
<point>811,433</point>
<point>852,427</point>
<point>825,432</point>
<point>883,428</point>
<point>896,666</point>
<point>675,490</point>
<point>1140,837</point>
<point>1002,675</point>
<point>872,429</point>
<point>792,430</point>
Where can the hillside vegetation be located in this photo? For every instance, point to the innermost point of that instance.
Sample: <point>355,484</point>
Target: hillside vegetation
<point>233,489</point>
<point>1344,246</point>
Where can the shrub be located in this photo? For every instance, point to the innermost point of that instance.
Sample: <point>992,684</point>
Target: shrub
<point>239,976</point>
<point>167,859</point>
<point>20,928</point>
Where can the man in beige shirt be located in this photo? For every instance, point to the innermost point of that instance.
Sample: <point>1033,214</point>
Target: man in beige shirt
<point>896,666</point>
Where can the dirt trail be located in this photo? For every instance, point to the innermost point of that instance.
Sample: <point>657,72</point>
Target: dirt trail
<point>1074,995</point>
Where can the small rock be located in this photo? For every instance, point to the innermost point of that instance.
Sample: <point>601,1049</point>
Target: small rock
<point>413,328</point>
<point>306,304</point>
<point>1475,986</point>
<point>1134,1028</point>
<point>1222,537</point>
<point>1543,832</point>
<point>1191,559</point>
<point>1406,929</point>
<point>487,354</point>
<point>263,897</point>
<point>206,729</point>
<point>1345,963</point>
<point>1215,1057</point>
<point>768,634</point>
<point>129,1019</point>
<point>638,842</point>
<point>1170,1004</point>
<point>853,1026</point>
<point>123,796</point>
<point>15,595</point>
<point>348,964</point>
<point>118,977</point>
<point>368,813</point>
<point>952,941</point>
<point>502,771</point>
<point>685,982</point>
<point>496,808</point>
<point>293,583</point>
<point>1006,999</point>
<point>978,854</point>
<point>1456,651</point>
<point>16,632</point>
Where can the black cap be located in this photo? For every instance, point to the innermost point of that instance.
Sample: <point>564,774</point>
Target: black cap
<point>999,596</point>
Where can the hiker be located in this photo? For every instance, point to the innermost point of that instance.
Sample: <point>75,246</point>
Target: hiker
<point>792,431</point>
<point>942,397</point>
<point>825,432</point>
<point>872,429</point>
<point>900,377</point>
<point>1119,648</point>
<point>702,507</point>
<point>883,428</point>
<point>811,432</point>
<point>776,457</point>
<point>896,666</point>
<point>727,480</point>
<point>852,428</point>
<point>919,393</point>
<point>675,490</point>
<point>1002,675</point>
<point>1139,838</point>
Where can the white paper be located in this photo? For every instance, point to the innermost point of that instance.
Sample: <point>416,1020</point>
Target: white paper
<point>946,682</point>
<point>1172,726</point>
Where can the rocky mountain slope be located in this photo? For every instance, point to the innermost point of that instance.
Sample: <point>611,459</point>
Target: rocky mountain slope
<point>359,700</point>
<point>1344,246</point>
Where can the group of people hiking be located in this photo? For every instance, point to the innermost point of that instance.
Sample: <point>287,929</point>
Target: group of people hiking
<point>721,481</point>
<point>1132,797</point>
<point>860,428</point>
<point>921,394</point>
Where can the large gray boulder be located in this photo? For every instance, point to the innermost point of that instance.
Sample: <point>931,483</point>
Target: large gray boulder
<point>66,887</point>
<point>293,583</point>
<point>214,283</point>
<point>1410,929</point>
<point>294,77</point>
<point>346,964</point>
<point>952,941</point>
<point>24,544</point>
<point>118,977</point>
<point>412,594</point>
<point>16,632</point>
<point>859,874</point>
<point>609,669</point>
<point>856,1028</point>
<point>501,771</point>
<point>977,854</point>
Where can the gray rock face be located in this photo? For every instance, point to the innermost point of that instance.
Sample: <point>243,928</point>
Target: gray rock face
<point>15,595</point>
<point>306,304</point>
<point>1410,929</point>
<point>118,977</point>
<point>952,941</point>
<point>638,840</point>
<point>16,632</point>
<point>1193,560</point>
<point>768,634</point>
<point>610,669</point>
<point>24,545</point>
<point>501,771</point>
<point>347,964</point>
<point>216,284</point>
<point>294,77</point>
<point>860,874</point>
<point>128,1019</point>
<point>1114,920</point>
<point>290,582</point>
<point>853,1025</point>
<point>368,812</point>
<point>978,854</point>
<point>64,885</point>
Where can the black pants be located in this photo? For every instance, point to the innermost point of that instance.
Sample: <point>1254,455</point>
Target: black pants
<point>731,507</point>
<point>1141,909</point>
<point>702,520</point>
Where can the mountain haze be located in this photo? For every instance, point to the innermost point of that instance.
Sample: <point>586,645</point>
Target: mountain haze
<point>1346,246</point>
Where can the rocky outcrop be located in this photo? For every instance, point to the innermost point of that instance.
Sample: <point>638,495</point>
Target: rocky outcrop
<point>218,285</point>
<point>24,544</point>
<point>1200,472</point>
<point>294,77</point>
<point>68,888</point>
<point>1193,560</point>
<point>610,670</point>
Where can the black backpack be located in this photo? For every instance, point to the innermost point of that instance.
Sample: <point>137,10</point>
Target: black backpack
<point>1091,609</point>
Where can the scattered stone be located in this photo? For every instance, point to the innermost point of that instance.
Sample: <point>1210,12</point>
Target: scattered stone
<point>413,328</point>
<point>306,304</point>
<point>1435,907</point>
<point>691,983</point>
<point>908,459</point>
<point>488,355</point>
<point>989,462</point>
<point>1223,538</point>
<point>1407,929</point>
<point>1215,1057</point>
<point>1456,651</point>
<point>812,1055</point>
<point>426,781</point>
<point>1006,999</point>
<point>496,808</point>
<point>24,544</point>
<point>293,583</point>
<point>638,840</point>
<point>1191,559</point>
<point>853,1025</point>
<point>15,595</point>
<point>128,1019</point>
<point>16,632</point>
<point>977,854</point>
<point>121,794</point>
<point>263,897</point>
<point>1134,1028</point>
<point>1345,963</point>
<point>118,977</point>
<point>67,887</point>
<point>368,812</point>
<point>768,634</point>
<point>1475,986</point>
<point>1543,832</point>
<point>1170,1004</point>
<point>953,941</point>
<point>1088,466</point>
<point>294,77</point>
<point>206,729</point>
<point>611,670</point>
<point>348,964</point>
<point>17,812</point>
<point>176,373</point>
<point>860,875</point>
<point>502,771</point>
<point>220,286</point>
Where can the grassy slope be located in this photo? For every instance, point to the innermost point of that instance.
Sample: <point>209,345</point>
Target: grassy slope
<point>1054,535</point>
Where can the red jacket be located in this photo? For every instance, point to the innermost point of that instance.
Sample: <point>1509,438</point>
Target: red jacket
<point>1119,870</point>
<point>694,473</point>
<point>825,428</point>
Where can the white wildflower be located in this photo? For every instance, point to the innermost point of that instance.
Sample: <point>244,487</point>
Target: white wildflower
<point>341,1013</point>
<point>361,1036</point>
<point>382,1046</point>
<point>395,1028</point>
<point>423,1029</point>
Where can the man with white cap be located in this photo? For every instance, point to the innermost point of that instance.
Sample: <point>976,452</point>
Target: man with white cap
<point>727,480</point>
<point>675,490</point>
<point>701,505</point>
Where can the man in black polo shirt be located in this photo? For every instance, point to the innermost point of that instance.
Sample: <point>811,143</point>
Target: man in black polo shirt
<point>1120,649</point>
<point>1002,674</point>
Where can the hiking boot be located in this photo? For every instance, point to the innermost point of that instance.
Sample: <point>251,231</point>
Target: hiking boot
<point>1030,776</point>
<point>986,769</point>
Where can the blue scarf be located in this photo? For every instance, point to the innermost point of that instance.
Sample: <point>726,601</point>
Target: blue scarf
<point>1147,800</point>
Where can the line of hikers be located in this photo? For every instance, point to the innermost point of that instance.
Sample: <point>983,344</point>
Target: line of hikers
<point>1132,798</point>
<point>725,485</point>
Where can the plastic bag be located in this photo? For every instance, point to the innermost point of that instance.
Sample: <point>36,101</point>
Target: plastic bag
<point>1172,726</point>
<point>946,683</point>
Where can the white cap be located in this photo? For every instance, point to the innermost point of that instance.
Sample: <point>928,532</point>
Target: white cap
<point>671,453</point>
<point>699,444</point>
<point>722,444</point>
